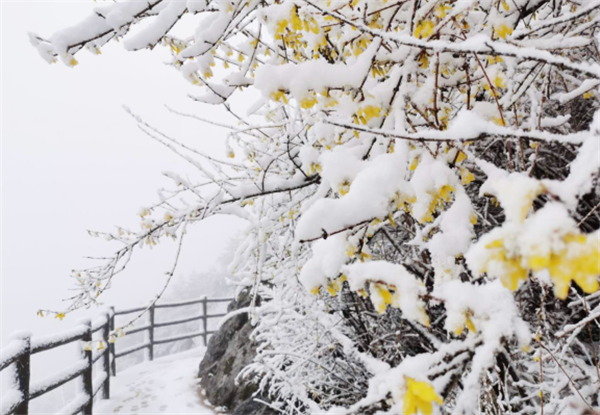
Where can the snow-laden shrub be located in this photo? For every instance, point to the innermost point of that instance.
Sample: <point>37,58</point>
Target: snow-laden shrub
<point>421,181</point>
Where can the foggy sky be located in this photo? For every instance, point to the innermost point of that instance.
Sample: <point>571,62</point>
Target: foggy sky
<point>73,160</point>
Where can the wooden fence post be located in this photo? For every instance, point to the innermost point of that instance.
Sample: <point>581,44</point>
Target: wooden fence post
<point>106,357</point>
<point>205,320</point>
<point>23,372</point>
<point>151,333</point>
<point>86,376</point>
<point>111,346</point>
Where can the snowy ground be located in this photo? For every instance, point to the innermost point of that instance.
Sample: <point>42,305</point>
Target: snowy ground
<point>165,386</point>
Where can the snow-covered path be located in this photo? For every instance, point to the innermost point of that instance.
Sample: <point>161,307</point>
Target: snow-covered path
<point>166,386</point>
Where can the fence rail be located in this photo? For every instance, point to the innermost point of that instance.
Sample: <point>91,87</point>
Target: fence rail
<point>17,355</point>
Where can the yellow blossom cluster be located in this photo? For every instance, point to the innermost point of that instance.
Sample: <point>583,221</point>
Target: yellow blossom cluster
<point>365,114</point>
<point>467,322</point>
<point>401,201</point>
<point>443,194</point>
<point>383,297</point>
<point>578,260</point>
<point>333,287</point>
<point>420,397</point>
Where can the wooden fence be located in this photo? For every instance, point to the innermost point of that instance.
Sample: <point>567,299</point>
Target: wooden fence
<point>17,355</point>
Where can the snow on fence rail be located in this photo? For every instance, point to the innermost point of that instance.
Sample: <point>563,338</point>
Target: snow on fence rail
<point>17,356</point>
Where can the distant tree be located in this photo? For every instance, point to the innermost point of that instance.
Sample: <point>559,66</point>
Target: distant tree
<point>421,180</point>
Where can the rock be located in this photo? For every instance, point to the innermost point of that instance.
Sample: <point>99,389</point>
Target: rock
<point>252,407</point>
<point>229,351</point>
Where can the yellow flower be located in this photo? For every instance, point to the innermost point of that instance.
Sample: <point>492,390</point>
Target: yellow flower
<point>498,121</point>
<point>507,268</point>
<point>336,285</point>
<point>500,80</point>
<point>331,290</point>
<point>514,273</point>
<point>579,261</point>
<point>401,200</point>
<point>468,323</point>
<point>376,22</point>
<point>471,325</point>
<point>279,95</point>
<point>424,29</point>
<point>309,101</point>
<point>280,27</point>
<point>494,59</point>
<point>428,217</point>
<point>440,11</point>
<point>344,188</point>
<point>330,102</point>
<point>321,43</point>
<point>466,176</point>
<point>419,397</point>
<point>60,316</point>
<point>473,219</point>
<point>296,22</point>
<point>445,192</point>
<point>368,112</point>
<point>386,297</point>
<point>360,45</point>
<point>351,251</point>
<point>314,27</point>
<point>528,201</point>
<point>503,30</point>
<point>414,163</point>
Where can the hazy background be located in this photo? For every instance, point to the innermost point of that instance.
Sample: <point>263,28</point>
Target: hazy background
<point>73,160</point>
